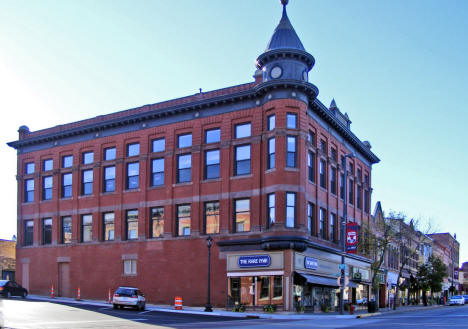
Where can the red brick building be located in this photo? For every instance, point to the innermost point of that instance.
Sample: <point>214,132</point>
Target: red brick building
<point>130,198</point>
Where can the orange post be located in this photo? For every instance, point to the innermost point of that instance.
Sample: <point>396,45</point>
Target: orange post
<point>78,294</point>
<point>178,303</point>
<point>52,295</point>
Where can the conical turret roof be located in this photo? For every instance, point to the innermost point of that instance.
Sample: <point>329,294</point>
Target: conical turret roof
<point>284,37</point>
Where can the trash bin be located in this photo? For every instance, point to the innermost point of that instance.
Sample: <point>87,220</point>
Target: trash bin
<point>371,307</point>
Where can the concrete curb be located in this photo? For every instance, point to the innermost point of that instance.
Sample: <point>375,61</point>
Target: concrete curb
<point>401,310</point>
<point>150,307</point>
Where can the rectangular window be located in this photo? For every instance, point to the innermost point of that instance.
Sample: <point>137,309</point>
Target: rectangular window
<point>310,218</point>
<point>366,201</point>
<point>47,231</point>
<point>212,164</point>
<point>110,153</point>
<point>351,192</point>
<point>184,140</point>
<point>131,219</point>
<point>358,197</point>
<point>343,161</point>
<point>133,175</point>
<point>351,169</point>
<point>332,234</point>
<point>342,186</point>
<point>29,168</point>
<point>211,217</point>
<point>29,190</point>
<point>48,164</point>
<point>271,209</point>
<point>184,168</point>
<point>311,166</point>
<point>242,160</point>
<point>322,220</point>
<point>183,220</point>
<point>158,145</point>
<point>109,179</point>
<point>87,182</point>
<point>108,219</point>
<point>66,229</point>
<point>271,122</point>
<point>366,180</point>
<point>86,228</point>
<point>334,155</point>
<point>311,137</point>
<point>323,146</point>
<point>67,182</point>
<point>67,161</point>
<point>277,287</point>
<point>157,172</point>
<point>323,178</point>
<point>264,287</point>
<point>290,209</point>
<point>133,149</point>
<point>130,267</point>
<point>242,215</point>
<point>333,180</point>
<point>88,157</point>
<point>359,174</point>
<point>47,188</point>
<point>28,232</point>
<point>271,153</point>
<point>291,121</point>
<point>212,136</point>
<point>243,130</point>
<point>157,222</point>
<point>291,152</point>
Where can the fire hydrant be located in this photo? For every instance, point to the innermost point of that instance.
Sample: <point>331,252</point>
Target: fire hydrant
<point>351,309</point>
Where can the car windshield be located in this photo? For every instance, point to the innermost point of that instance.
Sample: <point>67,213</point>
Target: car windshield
<point>3,282</point>
<point>125,291</point>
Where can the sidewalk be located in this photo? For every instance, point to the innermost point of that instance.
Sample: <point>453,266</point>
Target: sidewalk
<point>223,312</point>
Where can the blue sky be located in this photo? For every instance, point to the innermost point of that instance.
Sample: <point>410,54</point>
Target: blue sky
<point>398,68</point>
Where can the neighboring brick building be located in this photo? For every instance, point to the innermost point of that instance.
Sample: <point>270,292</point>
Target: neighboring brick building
<point>7,259</point>
<point>447,248</point>
<point>129,198</point>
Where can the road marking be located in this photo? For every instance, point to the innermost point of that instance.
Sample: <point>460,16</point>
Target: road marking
<point>145,312</point>
<point>11,323</point>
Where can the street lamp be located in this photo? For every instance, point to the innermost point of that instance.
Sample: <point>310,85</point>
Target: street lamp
<point>342,229</point>
<point>209,243</point>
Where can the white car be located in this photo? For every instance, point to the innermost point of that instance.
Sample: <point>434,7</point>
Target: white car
<point>457,300</point>
<point>129,296</point>
<point>361,301</point>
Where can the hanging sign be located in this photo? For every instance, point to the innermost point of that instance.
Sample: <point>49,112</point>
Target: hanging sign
<point>310,263</point>
<point>254,261</point>
<point>351,237</point>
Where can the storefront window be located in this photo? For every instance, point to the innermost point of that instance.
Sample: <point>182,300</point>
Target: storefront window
<point>277,287</point>
<point>265,287</point>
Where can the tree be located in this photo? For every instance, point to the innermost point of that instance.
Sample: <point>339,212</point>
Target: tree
<point>423,278</point>
<point>437,275</point>
<point>378,236</point>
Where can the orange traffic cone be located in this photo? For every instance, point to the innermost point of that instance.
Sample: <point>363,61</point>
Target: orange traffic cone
<point>109,297</point>
<point>52,291</point>
<point>78,294</point>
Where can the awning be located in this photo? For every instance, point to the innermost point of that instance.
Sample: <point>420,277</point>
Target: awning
<point>319,280</point>
<point>351,284</point>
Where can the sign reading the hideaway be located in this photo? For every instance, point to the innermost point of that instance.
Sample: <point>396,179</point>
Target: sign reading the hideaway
<point>310,263</point>
<point>254,261</point>
<point>351,237</point>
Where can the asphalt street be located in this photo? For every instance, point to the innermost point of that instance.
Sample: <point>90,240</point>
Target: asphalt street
<point>18,313</point>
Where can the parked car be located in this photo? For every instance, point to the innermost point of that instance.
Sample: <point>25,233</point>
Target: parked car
<point>362,301</point>
<point>11,288</point>
<point>466,298</point>
<point>129,296</point>
<point>457,300</point>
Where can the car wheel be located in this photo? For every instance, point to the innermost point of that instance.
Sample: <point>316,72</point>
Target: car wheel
<point>143,306</point>
<point>121,306</point>
<point>114,306</point>
<point>25,294</point>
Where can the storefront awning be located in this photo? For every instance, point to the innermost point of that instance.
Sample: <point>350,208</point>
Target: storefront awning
<point>319,280</point>
<point>351,284</point>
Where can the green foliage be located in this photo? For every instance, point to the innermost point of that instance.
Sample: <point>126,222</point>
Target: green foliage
<point>239,308</point>
<point>438,273</point>
<point>270,308</point>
